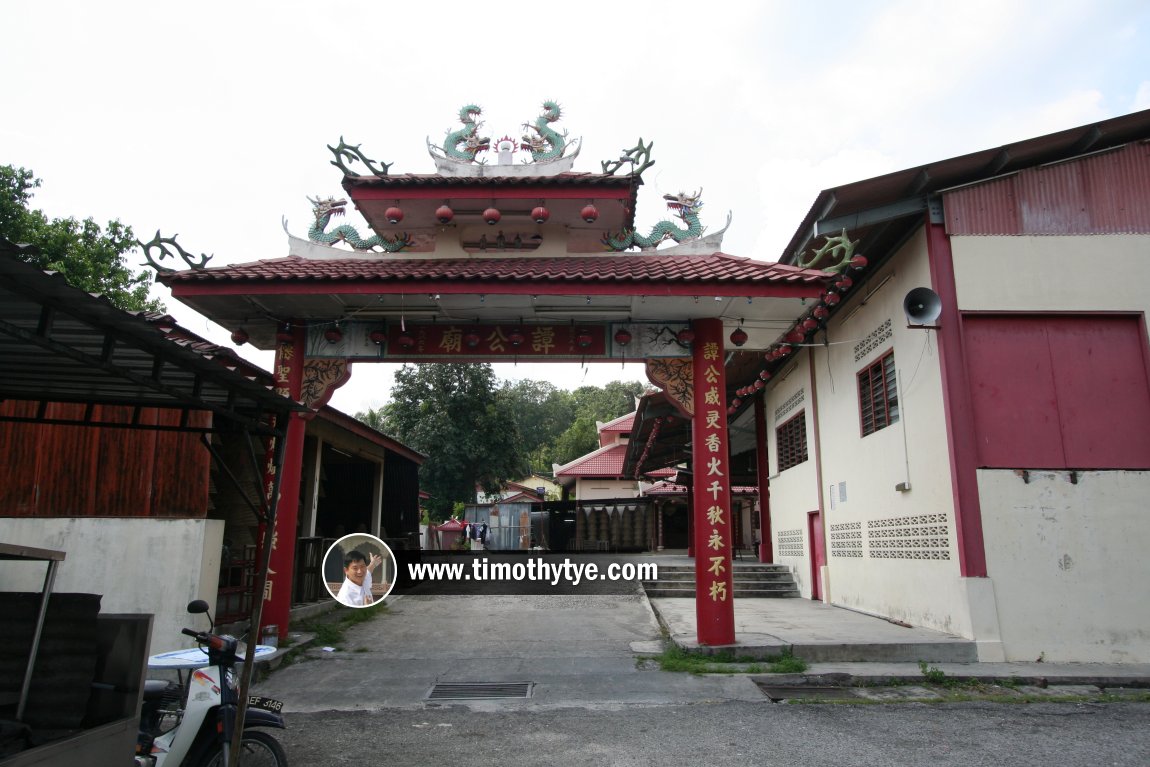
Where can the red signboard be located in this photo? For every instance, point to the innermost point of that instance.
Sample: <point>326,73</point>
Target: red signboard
<point>462,340</point>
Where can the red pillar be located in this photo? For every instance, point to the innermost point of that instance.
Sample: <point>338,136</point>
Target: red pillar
<point>710,469</point>
<point>958,407</point>
<point>762,471</point>
<point>278,591</point>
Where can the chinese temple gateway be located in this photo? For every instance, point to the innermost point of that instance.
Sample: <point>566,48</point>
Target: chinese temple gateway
<point>507,253</point>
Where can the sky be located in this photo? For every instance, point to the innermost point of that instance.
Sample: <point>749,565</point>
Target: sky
<point>211,120</point>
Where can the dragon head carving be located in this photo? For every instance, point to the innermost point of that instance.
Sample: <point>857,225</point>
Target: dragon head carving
<point>684,204</point>
<point>324,208</point>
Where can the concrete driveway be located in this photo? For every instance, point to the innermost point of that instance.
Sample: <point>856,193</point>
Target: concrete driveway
<point>573,650</point>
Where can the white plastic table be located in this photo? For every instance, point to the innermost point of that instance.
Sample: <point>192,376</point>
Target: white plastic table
<point>197,657</point>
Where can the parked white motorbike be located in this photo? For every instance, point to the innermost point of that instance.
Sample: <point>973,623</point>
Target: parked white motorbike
<point>190,723</point>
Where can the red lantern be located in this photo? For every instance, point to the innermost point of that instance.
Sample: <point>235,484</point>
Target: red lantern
<point>796,336</point>
<point>378,337</point>
<point>765,375</point>
<point>284,334</point>
<point>444,214</point>
<point>810,324</point>
<point>333,334</point>
<point>515,338</point>
<point>784,350</point>
<point>685,336</point>
<point>821,312</point>
<point>832,299</point>
<point>858,262</point>
<point>492,216</point>
<point>735,403</point>
<point>622,336</point>
<point>394,214</point>
<point>738,336</point>
<point>472,340</point>
<point>583,339</point>
<point>759,385</point>
<point>844,284</point>
<point>590,213</point>
<point>405,341</point>
<point>540,214</point>
<point>239,336</point>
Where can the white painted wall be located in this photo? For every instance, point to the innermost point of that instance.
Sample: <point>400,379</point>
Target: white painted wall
<point>1066,559</point>
<point>1066,564</point>
<point>601,489</point>
<point>794,492</point>
<point>1064,273</point>
<point>1069,563</point>
<point>141,565</point>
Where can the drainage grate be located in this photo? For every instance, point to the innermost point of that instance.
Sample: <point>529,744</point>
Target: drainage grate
<point>480,691</point>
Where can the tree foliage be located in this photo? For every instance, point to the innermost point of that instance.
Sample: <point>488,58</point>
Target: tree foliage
<point>478,432</point>
<point>89,257</point>
<point>455,414</point>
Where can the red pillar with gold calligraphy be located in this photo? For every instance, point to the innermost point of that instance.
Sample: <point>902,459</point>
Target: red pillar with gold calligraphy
<point>710,464</point>
<point>278,590</point>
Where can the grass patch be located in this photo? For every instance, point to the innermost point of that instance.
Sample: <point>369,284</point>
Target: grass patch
<point>677,659</point>
<point>330,629</point>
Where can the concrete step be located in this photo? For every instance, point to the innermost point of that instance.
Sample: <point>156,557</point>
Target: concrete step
<point>751,580</point>
<point>689,577</point>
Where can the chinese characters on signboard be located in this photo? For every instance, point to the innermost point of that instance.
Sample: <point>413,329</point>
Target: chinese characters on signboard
<point>713,491</point>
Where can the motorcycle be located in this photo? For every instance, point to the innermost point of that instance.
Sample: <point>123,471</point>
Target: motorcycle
<point>190,723</point>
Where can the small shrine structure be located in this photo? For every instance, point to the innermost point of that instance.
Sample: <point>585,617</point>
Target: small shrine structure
<point>506,253</point>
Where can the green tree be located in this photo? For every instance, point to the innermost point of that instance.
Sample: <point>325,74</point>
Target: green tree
<point>580,438</point>
<point>591,405</point>
<point>542,413</point>
<point>89,257</point>
<point>455,413</point>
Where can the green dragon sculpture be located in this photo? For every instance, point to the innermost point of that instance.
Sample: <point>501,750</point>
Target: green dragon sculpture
<point>839,247</point>
<point>325,209</point>
<point>465,143</point>
<point>545,144</point>
<point>685,206</point>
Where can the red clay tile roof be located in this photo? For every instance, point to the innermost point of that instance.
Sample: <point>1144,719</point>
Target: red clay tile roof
<point>604,462</point>
<point>622,423</point>
<point>713,269</point>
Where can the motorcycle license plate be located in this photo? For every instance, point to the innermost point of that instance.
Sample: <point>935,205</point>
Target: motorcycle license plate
<point>267,704</point>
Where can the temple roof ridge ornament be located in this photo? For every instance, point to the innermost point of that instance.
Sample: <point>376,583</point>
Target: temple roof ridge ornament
<point>689,240</point>
<point>351,153</point>
<point>550,150</point>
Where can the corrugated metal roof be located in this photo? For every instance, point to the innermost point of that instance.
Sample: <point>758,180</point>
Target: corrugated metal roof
<point>868,200</point>
<point>60,344</point>
<point>1102,193</point>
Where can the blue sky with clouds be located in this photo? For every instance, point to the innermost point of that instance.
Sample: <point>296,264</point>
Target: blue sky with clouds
<point>211,120</point>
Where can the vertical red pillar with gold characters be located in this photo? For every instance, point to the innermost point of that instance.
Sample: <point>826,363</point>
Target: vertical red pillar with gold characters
<point>714,600</point>
<point>278,589</point>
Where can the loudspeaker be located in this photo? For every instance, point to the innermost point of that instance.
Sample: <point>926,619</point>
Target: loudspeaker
<point>922,306</point>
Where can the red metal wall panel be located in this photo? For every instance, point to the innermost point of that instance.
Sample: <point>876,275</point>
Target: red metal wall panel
<point>1059,391</point>
<point>1012,392</point>
<point>1106,193</point>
